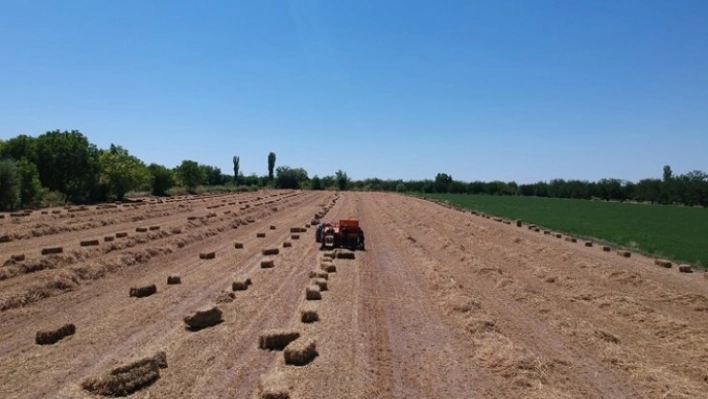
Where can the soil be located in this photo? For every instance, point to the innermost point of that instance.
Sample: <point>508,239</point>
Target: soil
<point>442,303</point>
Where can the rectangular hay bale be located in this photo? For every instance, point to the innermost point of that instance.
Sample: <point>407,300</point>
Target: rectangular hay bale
<point>52,250</point>
<point>313,292</point>
<point>270,251</point>
<point>277,339</point>
<point>300,352</point>
<point>51,337</point>
<point>89,243</point>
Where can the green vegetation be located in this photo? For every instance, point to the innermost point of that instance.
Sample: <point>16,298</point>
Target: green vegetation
<point>674,232</point>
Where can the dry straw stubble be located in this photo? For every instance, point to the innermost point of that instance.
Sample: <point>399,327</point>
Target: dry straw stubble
<point>273,386</point>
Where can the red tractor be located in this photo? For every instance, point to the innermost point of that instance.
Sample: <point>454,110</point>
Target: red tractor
<point>343,234</point>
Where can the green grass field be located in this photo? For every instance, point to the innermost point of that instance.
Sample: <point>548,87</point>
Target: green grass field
<point>677,233</point>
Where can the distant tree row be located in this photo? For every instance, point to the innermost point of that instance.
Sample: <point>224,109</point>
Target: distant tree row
<point>688,189</point>
<point>65,166</point>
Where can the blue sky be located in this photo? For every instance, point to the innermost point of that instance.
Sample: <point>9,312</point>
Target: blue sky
<point>482,90</point>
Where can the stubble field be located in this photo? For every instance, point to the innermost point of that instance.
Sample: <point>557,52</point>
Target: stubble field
<point>441,304</point>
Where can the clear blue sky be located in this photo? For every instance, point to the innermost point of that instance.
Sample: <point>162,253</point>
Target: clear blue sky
<point>512,90</point>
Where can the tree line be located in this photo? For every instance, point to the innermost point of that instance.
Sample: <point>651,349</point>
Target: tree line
<point>63,166</point>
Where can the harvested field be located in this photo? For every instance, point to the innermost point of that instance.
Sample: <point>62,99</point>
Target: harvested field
<point>442,304</point>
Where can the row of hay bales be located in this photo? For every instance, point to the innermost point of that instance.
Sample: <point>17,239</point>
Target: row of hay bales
<point>84,243</point>
<point>297,350</point>
<point>606,248</point>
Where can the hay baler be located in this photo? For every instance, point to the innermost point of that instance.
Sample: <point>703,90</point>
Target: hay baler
<point>343,234</point>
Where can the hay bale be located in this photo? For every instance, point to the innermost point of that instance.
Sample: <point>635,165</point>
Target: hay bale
<point>518,223</point>
<point>121,235</point>
<point>322,283</point>
<point>559,235</point>
<point>18,257</point>
<point>141,229</point>
<point>546,232</point>
<point>51,337</point>
<point>329,255</point>
<point>225,297</point>
<point>260,235</point>
<point>153,228</point>
<point>207,255</point>
<point>685,269</point>
<point>124,380</point>
<point>328,267</point>
<point>141,292</point>
<point>294,229</point>
<point>277,339</point>
<point>109,238</point>
<point>270,251</point>
<point>272,227</point>
<point>625,254</point>
<point>606,248</point>
<point>295,236</point>
<point>537,230</point>
<point>663,263</point>
<point>300,352</point>
<point>52,250</point>
<point>588,243</point>
<point>203,318</point>
<point>241,285</point>
<point>345,255</point>
<point>89,243</point>
<point>313,293</point>
<point>238,245</point>
<point>273,386</point>
<point>309,314</point>
<point>173,280</point>
<point>287,244</point>
<point>267,264</point>
<point>319,274</point>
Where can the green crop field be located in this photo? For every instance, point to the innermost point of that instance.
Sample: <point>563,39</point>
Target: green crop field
<point>674,232</point>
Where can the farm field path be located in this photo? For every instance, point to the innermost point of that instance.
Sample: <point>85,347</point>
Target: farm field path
<point>441,304</point>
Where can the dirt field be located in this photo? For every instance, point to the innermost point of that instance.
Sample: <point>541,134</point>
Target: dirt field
<point>441,304</point>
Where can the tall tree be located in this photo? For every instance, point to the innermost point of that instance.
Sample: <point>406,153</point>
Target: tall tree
<point>161,179</point>
<point>237,161</point>
<point>667,173</point>
<point>67,163</point>
<point>122,172</point>
<point>31,190</point>
<point>342,180</point>
<point>271,165</point>
<point>191,174</point>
